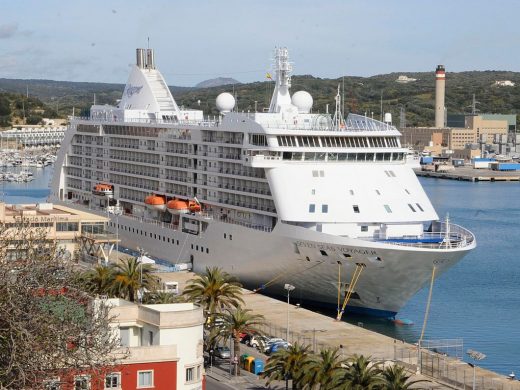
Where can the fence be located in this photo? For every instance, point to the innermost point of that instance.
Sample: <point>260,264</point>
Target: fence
<point>440,360</point>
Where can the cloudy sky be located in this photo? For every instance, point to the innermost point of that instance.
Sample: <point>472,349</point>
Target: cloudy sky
<point>200,39</point>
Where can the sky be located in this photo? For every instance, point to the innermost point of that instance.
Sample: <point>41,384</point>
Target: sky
<point>195,40</point>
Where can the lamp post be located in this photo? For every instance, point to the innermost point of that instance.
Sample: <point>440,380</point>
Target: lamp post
<point>142,253</point>
<point>289,288</point>
<point>477,356</point>
<point>117,211</point>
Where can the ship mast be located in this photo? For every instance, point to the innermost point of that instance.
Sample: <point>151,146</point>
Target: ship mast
<point>338,122</point>
<point>282,69</point>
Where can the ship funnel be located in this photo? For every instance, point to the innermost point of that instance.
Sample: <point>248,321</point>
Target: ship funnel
<point>140,61</point>
<point>150,59</point>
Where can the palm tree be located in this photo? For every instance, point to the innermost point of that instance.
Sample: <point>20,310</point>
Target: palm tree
<point>394,378</point>
<point>361,374</point>
<point>162,297</point>
<point>99,280</point>
<point>214,291</point>
<point>288,363</point>
<point>237,321</point>
<point>132,275</point>
<point>325,370</point>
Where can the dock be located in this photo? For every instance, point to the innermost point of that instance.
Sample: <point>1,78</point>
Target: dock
<point>471,174</point>
<point>320,331</point>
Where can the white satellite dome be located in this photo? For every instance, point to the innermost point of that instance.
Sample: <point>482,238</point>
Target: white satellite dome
<point>225,102</point>
<point>302,100</point>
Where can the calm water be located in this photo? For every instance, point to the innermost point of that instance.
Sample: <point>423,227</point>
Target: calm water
<point>477,300</point>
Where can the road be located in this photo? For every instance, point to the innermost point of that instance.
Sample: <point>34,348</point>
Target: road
<point>212,384</point>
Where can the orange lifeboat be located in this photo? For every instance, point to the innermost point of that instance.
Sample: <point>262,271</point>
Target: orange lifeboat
<point>180,206</point>
<point>155,202</point>
<point>177,206</point>
<point>103,190</point>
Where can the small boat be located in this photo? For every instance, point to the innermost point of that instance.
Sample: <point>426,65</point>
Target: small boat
<point>103,190</point>
<point>155,202</point>
<point>180,206</point>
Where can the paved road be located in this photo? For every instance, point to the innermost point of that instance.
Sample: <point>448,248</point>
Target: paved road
<point>212,384</point>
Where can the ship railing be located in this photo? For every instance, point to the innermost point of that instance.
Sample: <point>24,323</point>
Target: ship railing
<point>263,228</point>
<point>114,119</point>
<point>438,237</point>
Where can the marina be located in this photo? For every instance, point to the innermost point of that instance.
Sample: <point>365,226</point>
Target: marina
<point>471,174</point>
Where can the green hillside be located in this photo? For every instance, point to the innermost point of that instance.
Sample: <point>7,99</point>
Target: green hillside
<point>16,109</point>
<point>362,94</point>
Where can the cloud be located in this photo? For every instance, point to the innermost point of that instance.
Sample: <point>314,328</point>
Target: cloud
<point>10,30</point>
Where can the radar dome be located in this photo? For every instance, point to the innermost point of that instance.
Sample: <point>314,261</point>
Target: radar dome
<point>225,102</point>
<point>302,100</point>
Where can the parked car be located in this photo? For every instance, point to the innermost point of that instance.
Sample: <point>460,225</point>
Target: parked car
<point>277,346</point>
<point>222,352</point>
<point>257,341</point>
<point>271,341</point>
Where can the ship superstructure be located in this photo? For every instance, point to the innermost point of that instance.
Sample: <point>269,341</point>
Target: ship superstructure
<point>284,196</point>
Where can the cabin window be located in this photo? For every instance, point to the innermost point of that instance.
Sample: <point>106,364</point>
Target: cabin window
<point>419,207</point>
<point>364,228</point>
<point>387,208</point>
<point>312,208</point>
<point>324,208</point>
<point>356,209</point>
<point>411,207</point>
<point>378,192</point>
<point>323,253</point>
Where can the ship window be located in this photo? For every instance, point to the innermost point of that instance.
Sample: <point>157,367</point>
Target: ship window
<point>324,208</point>
<point>191,246</point>
<point>323,253</point>
<point>314,173</point>
<point>419,207</point>
<point>177,242</point>
<point>351,192</point>
<point>322,173</point>
<point>411,207</point>
<point>312,208</point>
<point>387,208</point>
<point>207,250</point>
<point>356,208</point>
<point>378,192</point>
<point>391,173</point>
<point>225,235</point>
<point>202,249</point>
<point>408,192</point>
<point>313,192</point>
<point>197,248</point>
<point>364,228</point>
<point>346,255</point>
<point>230,236</point>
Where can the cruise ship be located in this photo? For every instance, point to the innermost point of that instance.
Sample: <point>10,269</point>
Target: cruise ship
<point>327,204</point>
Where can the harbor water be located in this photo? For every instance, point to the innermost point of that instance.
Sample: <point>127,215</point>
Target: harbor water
<point>478,300</point>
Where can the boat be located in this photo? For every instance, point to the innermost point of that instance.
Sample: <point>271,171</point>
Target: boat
<point>102,189</point>
<point>327,204</point>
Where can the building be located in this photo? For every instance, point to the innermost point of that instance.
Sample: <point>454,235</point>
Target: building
<point>405,79</point>
<point>504,83</point>
<point>164,344</point>
<point>461,131</point>
<point>72,229</point>
<point>34,136</point>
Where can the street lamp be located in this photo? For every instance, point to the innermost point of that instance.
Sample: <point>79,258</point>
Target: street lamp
<point>475,355</point>
<point>289,288</point>
<point>142,253</point>
<point>117,211</point>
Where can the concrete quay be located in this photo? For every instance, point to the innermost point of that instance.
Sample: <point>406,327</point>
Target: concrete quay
<point>471,174</point>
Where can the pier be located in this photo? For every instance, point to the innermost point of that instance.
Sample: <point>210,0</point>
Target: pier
<point>471,174</point>
<point>321,331</point>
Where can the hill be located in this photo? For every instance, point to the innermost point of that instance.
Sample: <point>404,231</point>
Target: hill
<point>19,109</point>
<point>217,82</point>
<point>362,94</point>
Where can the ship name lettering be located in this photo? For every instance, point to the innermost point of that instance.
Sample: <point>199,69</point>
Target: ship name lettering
<point>336,248</point>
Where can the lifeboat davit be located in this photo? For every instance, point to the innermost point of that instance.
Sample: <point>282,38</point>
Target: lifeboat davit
<point>103,190</point>
<point>181,206</point>
<point>155,202</point>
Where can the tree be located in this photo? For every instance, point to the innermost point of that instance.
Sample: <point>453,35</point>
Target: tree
<point>131,275</point>
<point>325,370</point>
<point>395,378</point>
<point>49,327</point>
<point>233,323</point>
<point>361,374</point>
<point>287,364</point>
<point>162,297</point>
<point>100,280</point>
<point>215,291</point>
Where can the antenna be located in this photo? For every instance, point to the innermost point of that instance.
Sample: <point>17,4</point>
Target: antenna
<point>338,121</point>
<point>94,99</point>
<point>148,43</point>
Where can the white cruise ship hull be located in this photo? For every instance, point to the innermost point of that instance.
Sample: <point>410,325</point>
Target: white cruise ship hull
<point>290,254</point>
